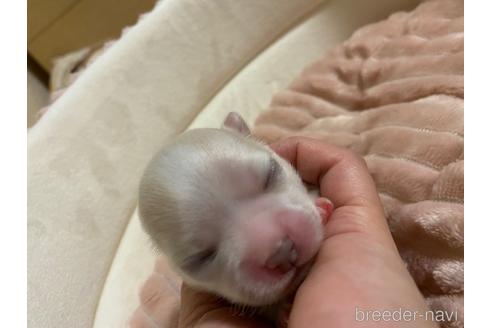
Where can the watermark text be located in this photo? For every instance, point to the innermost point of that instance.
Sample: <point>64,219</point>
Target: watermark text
<point>404,315</point>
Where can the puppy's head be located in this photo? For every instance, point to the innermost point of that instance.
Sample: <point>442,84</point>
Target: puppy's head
<point>232,216</point>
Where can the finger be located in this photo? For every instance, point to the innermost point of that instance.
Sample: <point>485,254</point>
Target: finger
<point>342,176</point>
<point>201,309</point>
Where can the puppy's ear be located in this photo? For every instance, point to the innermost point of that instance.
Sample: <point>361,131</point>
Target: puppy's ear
<point>235,122</point>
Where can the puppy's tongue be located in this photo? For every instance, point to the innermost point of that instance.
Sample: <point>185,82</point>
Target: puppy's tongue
<point>325,208</point>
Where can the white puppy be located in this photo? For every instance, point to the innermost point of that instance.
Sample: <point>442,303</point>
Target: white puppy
<point>232,216</point>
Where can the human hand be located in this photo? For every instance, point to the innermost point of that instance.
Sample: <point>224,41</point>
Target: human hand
<point>357,267</point>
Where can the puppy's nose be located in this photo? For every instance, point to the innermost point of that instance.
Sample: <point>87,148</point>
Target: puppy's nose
<point>284,257</point>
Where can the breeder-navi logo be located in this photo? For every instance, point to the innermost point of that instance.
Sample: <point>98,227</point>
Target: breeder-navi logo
<point>404,315</point>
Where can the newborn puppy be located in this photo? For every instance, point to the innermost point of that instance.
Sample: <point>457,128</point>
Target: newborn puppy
<point>232,216</point>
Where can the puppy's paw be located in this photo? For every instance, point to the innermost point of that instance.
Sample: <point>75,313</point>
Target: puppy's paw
<point>325,208</point>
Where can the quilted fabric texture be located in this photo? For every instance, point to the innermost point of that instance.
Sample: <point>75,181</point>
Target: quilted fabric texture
<point>394,94</point>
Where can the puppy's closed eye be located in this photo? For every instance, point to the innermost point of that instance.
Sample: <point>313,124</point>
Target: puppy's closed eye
<point>274,171</point>
<point>200,259</point>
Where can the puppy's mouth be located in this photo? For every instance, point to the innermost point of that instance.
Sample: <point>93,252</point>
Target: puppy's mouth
<point>269,285</point>
<point>284,258</point>
<point>282,261</point>
<point>278,275</point>
<point>270,275</point>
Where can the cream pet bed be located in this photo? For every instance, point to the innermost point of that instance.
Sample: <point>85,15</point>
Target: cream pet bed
<point>183,66</point>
